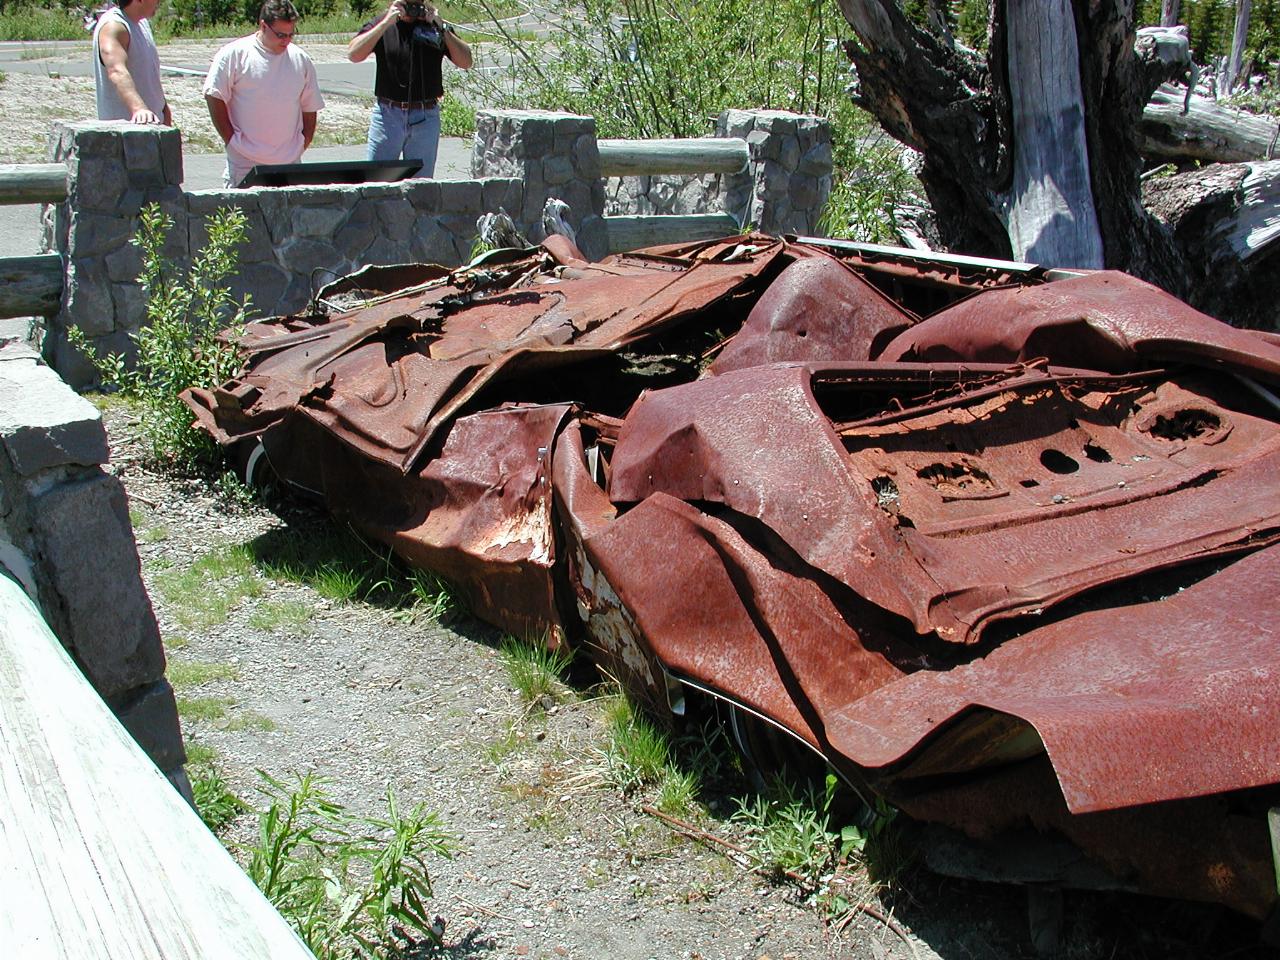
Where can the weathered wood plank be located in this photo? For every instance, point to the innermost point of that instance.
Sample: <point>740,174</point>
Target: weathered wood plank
<point>647,158</point>
<point>631,233</point>
<point>1207,131</point>
<point>30,285</point>
<point>101,857</point>
<point>33,182</point>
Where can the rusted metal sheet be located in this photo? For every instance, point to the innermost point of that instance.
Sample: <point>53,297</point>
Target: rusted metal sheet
<point>1102,321</point>
<point>386,378</point>
<point>948,554</point>
<point>983,509</point>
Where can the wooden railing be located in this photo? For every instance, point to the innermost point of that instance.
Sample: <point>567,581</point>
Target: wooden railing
<point>31,285</point>
<point>100,855</point>
<point>648,158</point>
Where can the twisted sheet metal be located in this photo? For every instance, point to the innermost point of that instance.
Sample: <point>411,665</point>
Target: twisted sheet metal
<point>947,554</point>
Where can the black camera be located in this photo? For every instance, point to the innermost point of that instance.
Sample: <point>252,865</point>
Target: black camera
<point>415,10</point>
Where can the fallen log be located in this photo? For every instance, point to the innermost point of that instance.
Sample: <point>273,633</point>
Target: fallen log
<point>1206,130</point>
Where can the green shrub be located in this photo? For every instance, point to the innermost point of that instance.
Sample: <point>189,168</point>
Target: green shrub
<point>178,347</point>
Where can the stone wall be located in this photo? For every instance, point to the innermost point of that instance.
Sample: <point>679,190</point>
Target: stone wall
<point>553,155</point>
<point>783,190</point>
<point>65,536</point>
<point>299,238</point>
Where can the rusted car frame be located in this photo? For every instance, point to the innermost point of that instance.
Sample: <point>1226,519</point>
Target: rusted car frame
<point>999,544</point>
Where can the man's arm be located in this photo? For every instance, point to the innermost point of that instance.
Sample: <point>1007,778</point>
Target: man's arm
<point>457,50</point>
<point>308,128</point>
<point>362,44</point>
<point>221,118</point>
<point>113,51</point>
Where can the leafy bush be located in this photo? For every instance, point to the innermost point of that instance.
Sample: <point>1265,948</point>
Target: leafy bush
<point>663,68</point>
<point>349,884</point>
<point>666,68</point>
<point>179,346</point>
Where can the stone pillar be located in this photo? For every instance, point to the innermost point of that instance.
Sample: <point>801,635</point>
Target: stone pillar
<point>113,170</point>
<point>555,154</point>
<point>788,178</point>
<point>65,536</point>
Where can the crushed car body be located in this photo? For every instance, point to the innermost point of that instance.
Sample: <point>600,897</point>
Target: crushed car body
<point>998,543</point>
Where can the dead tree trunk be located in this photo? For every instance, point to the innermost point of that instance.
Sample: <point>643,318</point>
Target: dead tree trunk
<point>995,151</point>
<point>1235,64</point>
<point>1170,10</point>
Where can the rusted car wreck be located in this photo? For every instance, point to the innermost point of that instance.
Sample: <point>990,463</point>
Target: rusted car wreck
<point>998,543</point>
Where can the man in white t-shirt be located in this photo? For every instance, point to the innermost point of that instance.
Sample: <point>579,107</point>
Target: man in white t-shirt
<point>262,94</point>
<point>126,66</point>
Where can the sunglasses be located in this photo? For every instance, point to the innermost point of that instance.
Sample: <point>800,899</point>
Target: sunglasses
<point>280,34</point>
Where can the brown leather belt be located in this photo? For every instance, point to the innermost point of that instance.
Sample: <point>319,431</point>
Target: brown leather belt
<point>407,104</point>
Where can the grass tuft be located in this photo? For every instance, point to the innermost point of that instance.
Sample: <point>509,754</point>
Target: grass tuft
<point>281,616</point>
<point>185,674</point>
<point>536,672</point>
<point>350,885</point>
<point>203,595</point>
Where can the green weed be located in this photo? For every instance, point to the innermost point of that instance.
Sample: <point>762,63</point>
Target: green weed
<point>178,347</point>
<point>792,834</point>
<point>215,801</point>
<point>34,23</point>
<point>637,754</point>
<point>456,118</point>
<point>350,885</point>
<point>677,793</point>
<point>496,751</point>
<point>200,754</point>
<point>536,672</point>
<point>203,709</point>
<point>331,560</point>
<point>432,596</point>
<point>250,720</point>
<point>342,567</point>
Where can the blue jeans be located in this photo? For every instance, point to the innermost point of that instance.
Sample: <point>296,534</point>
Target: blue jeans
<point>414,134</point>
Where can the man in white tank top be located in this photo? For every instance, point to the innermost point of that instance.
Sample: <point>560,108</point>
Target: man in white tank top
<point>126,66</point>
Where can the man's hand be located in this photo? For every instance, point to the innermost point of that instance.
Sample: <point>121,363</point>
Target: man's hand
<point>144,116</point>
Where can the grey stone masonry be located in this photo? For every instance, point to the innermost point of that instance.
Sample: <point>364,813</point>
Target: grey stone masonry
<point>554,155</point>
<point>299,238</point>
<point>65,535</point>
<point>783,190</point>
<point>788,178</point>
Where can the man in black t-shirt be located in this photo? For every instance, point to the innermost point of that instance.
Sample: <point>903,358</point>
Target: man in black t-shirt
<point>409,44</point>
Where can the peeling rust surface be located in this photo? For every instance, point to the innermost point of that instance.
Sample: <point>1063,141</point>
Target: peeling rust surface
<point>1011,566</point>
